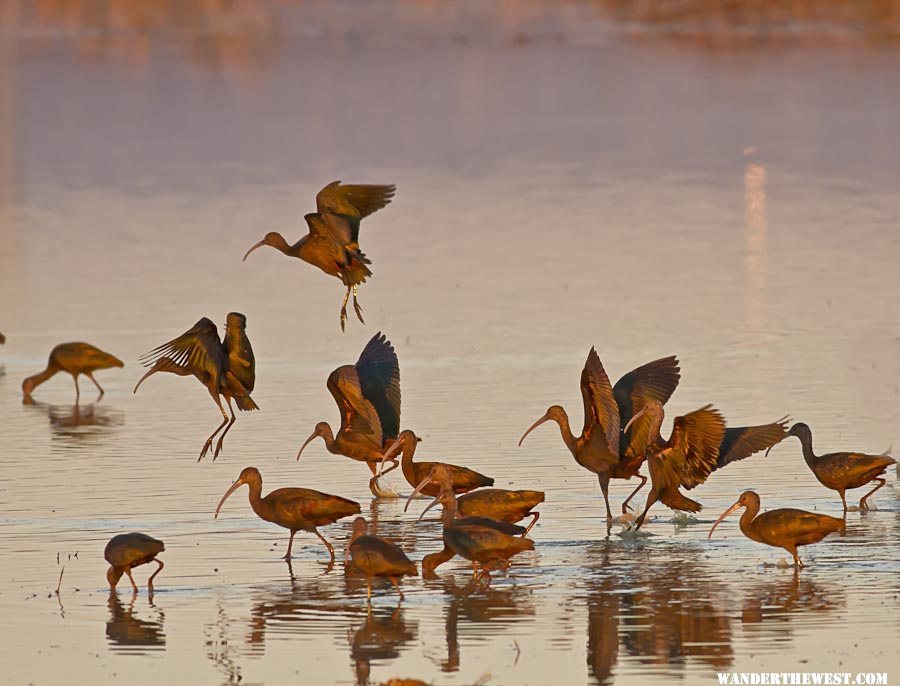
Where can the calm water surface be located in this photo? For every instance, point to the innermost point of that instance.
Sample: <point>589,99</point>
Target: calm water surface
<point>562,183</point>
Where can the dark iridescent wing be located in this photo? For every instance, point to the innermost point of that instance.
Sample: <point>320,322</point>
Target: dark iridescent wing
<point>650,384</point>
<point>198,349</point>
<point>358,415</point>
<point>742,441</point>
<point>353,200</point>
<point>379,378</point>
<point>601,414</point>
<point>694,445</point>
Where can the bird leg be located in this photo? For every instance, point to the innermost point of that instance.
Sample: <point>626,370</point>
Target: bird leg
<point>208,444</point>
<point>77,391</point>
<point>369,590</point>
<point>131,579</point>
<point>843,500</point>
<point>152,576</point>
<point>862,502</point>
<point>396,582</point>
<point>327,545</point>
<point>604,486</point>
<point>230,424</point>
<point>358,309</point>
<point>90,375</point>
<point>534,517</point>
<point>639,522</point>
<point>344,309</point>
<point>287,555</point>
<point>634,493</point>
<point>792,549</point>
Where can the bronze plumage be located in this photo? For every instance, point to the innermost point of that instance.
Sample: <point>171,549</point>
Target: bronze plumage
<point>599,448</point>
<point>295,509</point>
<point>377,556</point>
<point>332,243</point>
<point>127,551</point>
<point>74,359</point>
<point>782,528</point>
<point>368,396</point>
<point>843,471</point>
<point>227,368</point>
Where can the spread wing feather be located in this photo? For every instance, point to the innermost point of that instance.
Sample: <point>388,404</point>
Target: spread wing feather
<point>600,409</point>
<point>354,200</point>
<point>695,445</point>
<point>379,379</point>
<point>650,384</point>
<point>742,441</point>
<point>198,349</point>
<point>358,415</point>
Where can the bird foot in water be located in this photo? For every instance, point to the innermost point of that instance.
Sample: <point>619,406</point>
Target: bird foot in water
<point>627,519</point>
<point>632,533</point>
<point>853,508</point>
<point>684,519</point>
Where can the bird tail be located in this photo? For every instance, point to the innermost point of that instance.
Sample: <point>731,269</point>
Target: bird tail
<point>679,501</point>
<point>357,271</point>
<point>245,403</point>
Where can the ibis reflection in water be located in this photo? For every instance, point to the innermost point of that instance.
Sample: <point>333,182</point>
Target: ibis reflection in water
<point>368,396</point>
<point>295,509</point>
<point>699,445</point>
<point>599,448</point>
<point>377,556</point>
<point>332,243</point>
<point>227,368</point>
<point>127,551</point>
<point>782,528</point>
<point>75,359</point>
<point>843,471</point>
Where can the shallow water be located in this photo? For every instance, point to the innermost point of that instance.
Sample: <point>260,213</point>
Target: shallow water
<point>562,183</point>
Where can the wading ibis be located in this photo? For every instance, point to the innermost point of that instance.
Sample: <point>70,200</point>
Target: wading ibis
<point>227,368</point>
<point>332,243</point>
<point>377,556</point>
<point>463,478</point>
<point>843,471</point>
<point>782,528</point>
<point>74,359</point>
<point>599,448</point>
<point>296,509</point>
<point>127,551</point>
<point>699,445</point>
<point>368,396</point>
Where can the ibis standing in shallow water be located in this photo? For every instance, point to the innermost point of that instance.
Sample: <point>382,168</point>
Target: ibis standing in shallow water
<point>699,445</point>
<point>843,471</point>
<point>127,551</point>
<point>377,556</point>
<point>227,367</point>
<point>598,448</point>
<point>74,359</point>
<point>783,528</point>
<point>368,396</point>
<point>296,509</point>
<point>332,243</point>
<point>500,514</point>
<point>463,478</point>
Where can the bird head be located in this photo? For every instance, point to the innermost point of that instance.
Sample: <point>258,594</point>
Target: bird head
<point>801,431</point>
<point>322,430</point>
<point>248,475</point>
<point>554,412</point>
<point>113,574</point>
<point>748,499</point>
<point>273,239</point>
<point>406,440</point>
<point>359,528</point>
<point>236,319</point>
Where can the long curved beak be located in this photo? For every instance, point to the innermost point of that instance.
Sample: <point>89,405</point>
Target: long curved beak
<point>533,427</point>
<point>722,516</point>
<point>430,505</point>
<point>306,443</point>
<point>422,484</point>
<point>258,245</point>
<point>149,373</point>
<point>389,454</point>
<point>632,420</point>
<point>236,485</point>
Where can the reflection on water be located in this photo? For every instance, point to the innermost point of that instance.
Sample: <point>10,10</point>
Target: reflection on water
<point>380,637</point>
<point>769,607</point>
<point>663,616</point>
<point>126,631</point>
<point>77,421</point>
